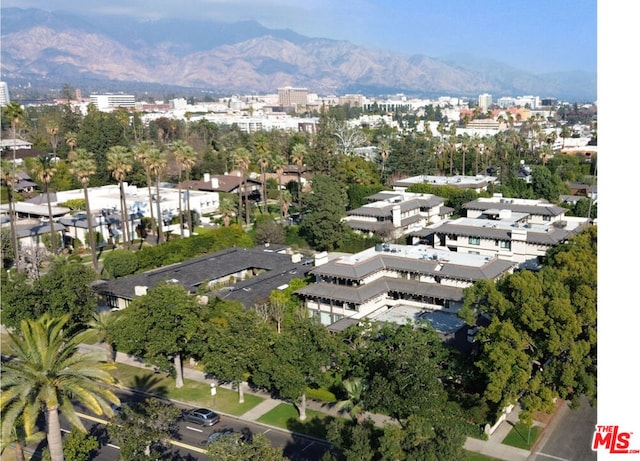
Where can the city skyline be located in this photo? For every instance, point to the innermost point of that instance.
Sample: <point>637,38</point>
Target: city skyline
<point>540,37</point>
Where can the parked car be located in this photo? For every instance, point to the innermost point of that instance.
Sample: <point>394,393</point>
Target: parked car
<point>202,416</point>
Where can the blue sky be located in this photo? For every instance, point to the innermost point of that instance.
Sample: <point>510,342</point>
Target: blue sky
<point>534,35</point>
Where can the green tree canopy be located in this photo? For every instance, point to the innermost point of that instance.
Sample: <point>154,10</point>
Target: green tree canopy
<point>159,325</point>
<point>322,224</point>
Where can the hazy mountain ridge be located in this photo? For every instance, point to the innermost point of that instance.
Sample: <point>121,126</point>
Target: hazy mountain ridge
<point>246,57</point>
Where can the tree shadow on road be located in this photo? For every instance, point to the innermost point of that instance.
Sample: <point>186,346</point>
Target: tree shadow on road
<point>150,384</point>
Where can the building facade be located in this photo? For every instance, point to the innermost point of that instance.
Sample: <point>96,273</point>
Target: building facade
<point>517,230</point>
<point>388,276</point>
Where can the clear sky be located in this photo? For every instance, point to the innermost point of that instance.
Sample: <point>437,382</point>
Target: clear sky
<point>533,35</point>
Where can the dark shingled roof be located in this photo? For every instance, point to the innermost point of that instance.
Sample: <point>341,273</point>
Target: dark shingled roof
<point>542,210</point>
<point>494,267</point>
<point>363,293</point>
<point>201,270</point>
<point>553,236</point>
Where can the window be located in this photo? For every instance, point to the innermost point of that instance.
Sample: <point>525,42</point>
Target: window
<point>505,244</point>
<point>474,241</point>
<point>546,218</point>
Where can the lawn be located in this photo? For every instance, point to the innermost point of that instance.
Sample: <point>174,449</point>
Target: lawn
<point>286,416</point>
<point>522,436</point>
<point>193,392</point>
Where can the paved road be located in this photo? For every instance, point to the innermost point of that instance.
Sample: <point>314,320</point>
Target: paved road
<point>192,440</point>
<point>569,435</point>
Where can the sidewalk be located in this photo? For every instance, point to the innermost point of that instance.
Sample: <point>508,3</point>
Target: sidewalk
<point>493,446</point>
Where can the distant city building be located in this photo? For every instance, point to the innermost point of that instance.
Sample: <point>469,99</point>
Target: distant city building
<point>292,97</point>
<point>4,94</point>
<point>484,101</point>
<point>108,102</point>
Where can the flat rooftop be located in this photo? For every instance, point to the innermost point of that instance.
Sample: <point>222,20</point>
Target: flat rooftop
<point>416,252</point>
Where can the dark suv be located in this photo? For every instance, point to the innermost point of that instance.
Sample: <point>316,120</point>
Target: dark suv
<point>202,416</point>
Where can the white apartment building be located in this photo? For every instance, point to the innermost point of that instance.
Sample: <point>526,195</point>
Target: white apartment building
<point>4,94</point>
<point>517,230</point>
<point>393,214</point>
<point>108,102</point>
<point>105,202</point>
<point>414,279</point>
<point>485,101</point>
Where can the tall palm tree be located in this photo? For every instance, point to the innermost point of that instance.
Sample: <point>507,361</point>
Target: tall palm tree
<point>48,375</point>
<point>186,158</point>
<point>120,162</point>
<point>16,114</point>
<point>242,159</point>
<point>9,178</point>
<point>157,161</point>
<point>71,138</point>
<point>298,153</point>
<point>141,153</point>
<point>83,166</point>
<point>44,170</point>
<point>286,202</point>
<point>262,153</point>
<point>384,155</point>
<point>53,129</point>
<point>278,164</point>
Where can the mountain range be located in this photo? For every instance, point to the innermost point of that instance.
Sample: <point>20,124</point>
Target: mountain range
<point>122,54</point>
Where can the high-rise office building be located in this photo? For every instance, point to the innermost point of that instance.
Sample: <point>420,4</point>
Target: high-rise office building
<point>484,102</point>
<point>292,97</point>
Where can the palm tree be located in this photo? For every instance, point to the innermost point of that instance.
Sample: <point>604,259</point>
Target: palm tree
<point>355,389</point>
<point>141,153</point>
<point>102,326</point>
<point>83,166</point>
<point>185,158</point>
<point>262,151</point>
<point>157,161</point>
<point>242,159</point>
<point>298,153</point>
<point>286,202</point>
<point>44,170</point>
<point>9,178</point>
<point>384,155</point>
<point>227,208</point>
<point>53,130</point>
<point>16,114</point>
<point>71,138</point>
<point>47,375</point>
<point>120,162</point>
<point>279,164</point>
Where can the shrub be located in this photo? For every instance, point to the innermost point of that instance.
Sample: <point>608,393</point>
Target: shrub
<point>322,395</point>
<point>120,263</point>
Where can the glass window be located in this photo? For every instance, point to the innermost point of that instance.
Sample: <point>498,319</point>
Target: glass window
<point>474,241</point>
